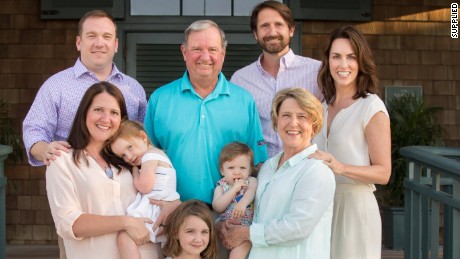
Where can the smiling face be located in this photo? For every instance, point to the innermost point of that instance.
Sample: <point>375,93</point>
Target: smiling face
<point>294,127</point>
<point>103,117</point>
<point>193,237</point>
<point>204,54</point>
<point>131,150</point>
<point>97,43</point>
<point>343,63</point>
<point>273,33</point>
<point>237,168</point>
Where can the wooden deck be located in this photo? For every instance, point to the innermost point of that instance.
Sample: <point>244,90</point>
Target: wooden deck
<point>32,252</point>
<point>52,252</point>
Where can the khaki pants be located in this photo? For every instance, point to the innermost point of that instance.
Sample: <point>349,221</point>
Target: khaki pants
<point>61,248</point>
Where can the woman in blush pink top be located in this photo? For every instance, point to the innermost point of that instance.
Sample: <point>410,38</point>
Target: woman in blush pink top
<point>88,196</point>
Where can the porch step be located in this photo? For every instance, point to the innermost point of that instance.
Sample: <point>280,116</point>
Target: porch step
<point>52,252</point>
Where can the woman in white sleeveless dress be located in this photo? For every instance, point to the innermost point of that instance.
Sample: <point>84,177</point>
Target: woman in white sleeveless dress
<point>355,143</point>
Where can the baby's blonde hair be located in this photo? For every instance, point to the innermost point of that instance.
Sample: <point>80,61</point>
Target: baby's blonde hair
<point>128,130</point>
<point>234,149</point>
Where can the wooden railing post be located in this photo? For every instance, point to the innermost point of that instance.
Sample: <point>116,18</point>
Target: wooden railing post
<point>408,207</point>
<point>432,181</point>
<point>456,220</point>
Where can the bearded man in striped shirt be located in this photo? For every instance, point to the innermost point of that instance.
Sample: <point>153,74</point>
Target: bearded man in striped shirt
<point>277,67</point>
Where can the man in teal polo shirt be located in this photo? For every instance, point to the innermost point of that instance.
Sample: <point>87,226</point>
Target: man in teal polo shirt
<point>193,117</point>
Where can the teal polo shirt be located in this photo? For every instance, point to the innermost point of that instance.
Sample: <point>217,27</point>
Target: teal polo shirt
<point>192,131</point>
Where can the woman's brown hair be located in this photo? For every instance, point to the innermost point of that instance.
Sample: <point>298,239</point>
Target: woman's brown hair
<point>79,136</point>
<point>367,81</point>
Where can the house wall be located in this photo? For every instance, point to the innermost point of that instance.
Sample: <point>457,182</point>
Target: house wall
<point>412,46</point>
<point>410,40</point>
<point>30,51</point>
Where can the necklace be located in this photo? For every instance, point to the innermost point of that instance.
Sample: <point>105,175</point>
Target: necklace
<point>107,169</point>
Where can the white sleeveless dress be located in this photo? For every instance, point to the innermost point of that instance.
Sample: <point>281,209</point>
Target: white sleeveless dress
<point>356,224</point>
<point>164,189</point>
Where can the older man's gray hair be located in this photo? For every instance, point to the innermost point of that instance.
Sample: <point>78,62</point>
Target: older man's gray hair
<point>202,25</point>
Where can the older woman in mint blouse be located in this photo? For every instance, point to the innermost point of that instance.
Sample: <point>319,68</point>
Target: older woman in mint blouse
<point>294,197</point>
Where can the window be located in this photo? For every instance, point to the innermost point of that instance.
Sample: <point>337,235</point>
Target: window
<point>193,7</point>
<point>155,59</point>
<point>341,10</point>
<point>75,9</point>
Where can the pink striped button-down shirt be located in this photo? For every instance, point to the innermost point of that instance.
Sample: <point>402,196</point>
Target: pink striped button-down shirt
<point>294,71</point>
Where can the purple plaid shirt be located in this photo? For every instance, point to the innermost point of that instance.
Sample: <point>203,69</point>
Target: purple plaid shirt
<point>51,115</point>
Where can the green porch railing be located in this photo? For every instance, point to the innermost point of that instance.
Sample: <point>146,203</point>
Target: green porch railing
<point>432,183</point>
<point>4,151</point>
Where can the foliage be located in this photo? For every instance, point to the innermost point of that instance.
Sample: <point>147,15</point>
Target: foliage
<point>8,134</point>
<point>412,124</point>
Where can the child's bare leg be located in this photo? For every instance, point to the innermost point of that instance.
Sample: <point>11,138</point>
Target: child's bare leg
<point>241,251</point>
<point>127,247</point>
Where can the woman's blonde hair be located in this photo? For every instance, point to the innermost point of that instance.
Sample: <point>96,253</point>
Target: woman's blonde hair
<point>307,102</point>
<point>177,218</point>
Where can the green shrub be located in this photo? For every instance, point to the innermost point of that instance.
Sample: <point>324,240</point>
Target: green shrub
<point>412,124</point>
<point>8,134</point>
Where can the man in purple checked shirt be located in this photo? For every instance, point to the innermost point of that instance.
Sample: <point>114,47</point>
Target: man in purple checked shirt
<point>48,122</point>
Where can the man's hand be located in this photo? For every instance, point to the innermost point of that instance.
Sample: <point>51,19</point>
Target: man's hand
<point>221,229</point>
<point>166,208</point>
<point>233,235</point>
<point>53,149</point>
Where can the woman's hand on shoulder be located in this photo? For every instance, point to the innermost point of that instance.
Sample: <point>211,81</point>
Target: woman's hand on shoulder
<point>328,159</point>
